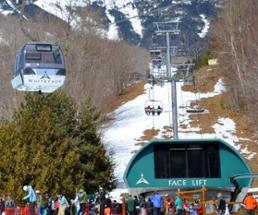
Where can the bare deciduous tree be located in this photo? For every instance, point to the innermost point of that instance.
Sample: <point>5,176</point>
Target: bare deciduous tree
<point>236,36</point>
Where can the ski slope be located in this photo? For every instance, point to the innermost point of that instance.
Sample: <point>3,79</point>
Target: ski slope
<point>130,121</point>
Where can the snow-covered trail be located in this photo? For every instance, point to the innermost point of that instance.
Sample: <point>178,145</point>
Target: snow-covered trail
<point>130,122</point>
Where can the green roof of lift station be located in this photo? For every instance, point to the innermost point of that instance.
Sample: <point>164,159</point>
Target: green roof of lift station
<point>185,163</point>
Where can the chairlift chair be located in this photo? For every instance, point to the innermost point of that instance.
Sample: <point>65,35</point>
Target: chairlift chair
<point>194,108</point>
<point>39,67</point>
<point>151,79</point>
<point>156,56</point>
<point>188,80</point>
<point>153,107</point>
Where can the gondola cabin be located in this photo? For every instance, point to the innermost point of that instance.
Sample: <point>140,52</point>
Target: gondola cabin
<point>39,67</point>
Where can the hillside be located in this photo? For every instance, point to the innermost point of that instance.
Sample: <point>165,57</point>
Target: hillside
<point>95,62</point>
<point>218,121</point>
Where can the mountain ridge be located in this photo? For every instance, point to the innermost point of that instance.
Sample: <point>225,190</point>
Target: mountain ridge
<point>131,20</point>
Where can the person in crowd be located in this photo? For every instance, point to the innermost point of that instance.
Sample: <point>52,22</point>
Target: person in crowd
<point>76,203</point>
<point>50,204</point>
<point>250,204</point>
<point>221,205</point>
<point>31,197</point>
<point>192,209</point>
<point>101,200</point>
<point>185,207</point>
<point>56,206</point>
<point>9,206</point>
<point>179,205</point>
<point>107,210</point>
<point>27,209</point>
<point>142,205</point>
<point>167,203</point>
<point>157,201</point>
<point>39,202</point>
<point>2,205</point>
<point>63,204</point>
<point>96,208</point>
<point>199,207</point>
<point>136,205</point>
<point>149,207</point>
<point>130,205</point>
<point>114,208</point>
<point>210,206</point>
<point>82,196</point>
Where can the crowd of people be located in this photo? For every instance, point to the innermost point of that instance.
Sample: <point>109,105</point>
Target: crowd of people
<point>155,204</point>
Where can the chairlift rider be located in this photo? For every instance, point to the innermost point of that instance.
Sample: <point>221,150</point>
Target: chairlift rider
<point>153,110</point>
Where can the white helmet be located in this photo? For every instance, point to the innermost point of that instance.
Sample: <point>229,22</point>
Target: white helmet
<point>25,187</point>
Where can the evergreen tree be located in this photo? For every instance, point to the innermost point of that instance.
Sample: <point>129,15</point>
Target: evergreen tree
<point>90,145</point>
<point>51,147</point>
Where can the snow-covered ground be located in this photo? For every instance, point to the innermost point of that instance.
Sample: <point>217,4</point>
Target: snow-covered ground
<point>130,121</point>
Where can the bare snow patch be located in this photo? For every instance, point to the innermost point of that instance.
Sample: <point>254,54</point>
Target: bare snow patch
<point>225,128</point>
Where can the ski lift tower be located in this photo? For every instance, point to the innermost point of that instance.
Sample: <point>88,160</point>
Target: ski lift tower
<point>170,28</point>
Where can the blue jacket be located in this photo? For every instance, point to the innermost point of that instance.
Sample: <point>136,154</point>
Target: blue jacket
<point>31,196</point>
<point>156,200</point>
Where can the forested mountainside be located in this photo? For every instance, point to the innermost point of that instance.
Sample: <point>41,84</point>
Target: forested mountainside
<point>131,20</point>
<point>97,66</point>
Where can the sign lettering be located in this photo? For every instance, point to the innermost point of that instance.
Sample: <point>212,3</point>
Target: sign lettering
<point>187,182</point>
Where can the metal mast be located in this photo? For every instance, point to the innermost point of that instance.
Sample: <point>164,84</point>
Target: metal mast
<point>170,76</point>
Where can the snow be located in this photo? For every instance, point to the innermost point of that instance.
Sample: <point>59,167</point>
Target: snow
<point>112,33</point>
<point>129,10</point>
<point>11,4</point>
<point>205,28</point>
<point>130,121</point>
<point>187,2</point>
<point>59,7</point>
<point>6,12</point>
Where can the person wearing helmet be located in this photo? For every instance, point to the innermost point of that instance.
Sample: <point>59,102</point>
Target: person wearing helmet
<point>30,197</point>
